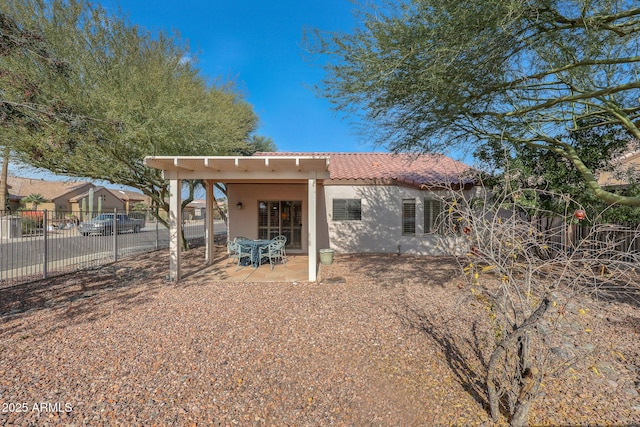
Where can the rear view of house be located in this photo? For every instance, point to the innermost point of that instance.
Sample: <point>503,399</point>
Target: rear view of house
<point>349,202</point>
<point>371,202</point>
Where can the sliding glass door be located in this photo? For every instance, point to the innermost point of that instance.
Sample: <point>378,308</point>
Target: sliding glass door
<point>281,218</point>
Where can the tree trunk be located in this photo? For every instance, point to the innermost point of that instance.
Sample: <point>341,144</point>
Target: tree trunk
<point>525,380</point>
<point>191,184</point>
<point>3,179</point>
<point>216,206</point>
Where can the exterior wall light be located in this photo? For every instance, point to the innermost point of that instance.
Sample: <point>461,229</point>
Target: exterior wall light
<point>239,205</point>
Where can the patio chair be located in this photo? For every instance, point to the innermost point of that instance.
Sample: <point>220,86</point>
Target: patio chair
<point>283,239</point>
<point>273,252</point>
<point>232,250</point>
<point>235,239</point>
<point>242,252</point>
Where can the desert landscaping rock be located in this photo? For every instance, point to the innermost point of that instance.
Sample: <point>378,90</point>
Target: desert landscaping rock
<point>381,340</point>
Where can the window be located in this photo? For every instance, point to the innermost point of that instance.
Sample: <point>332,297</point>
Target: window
<point>409,217</point>
<point>347,210</point>
<point>281,218</point>
<point>432,210</point>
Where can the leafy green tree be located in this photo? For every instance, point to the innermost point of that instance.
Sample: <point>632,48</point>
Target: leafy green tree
<point>255,144</point>
<point>32,81</point>
<point>436,75</point>
<point>546,175</point>
<point>146,91</point>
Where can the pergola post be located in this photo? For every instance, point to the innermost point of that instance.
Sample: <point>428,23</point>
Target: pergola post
<point>209,229</point>
<point>175,229</point>
<point>312,228</point>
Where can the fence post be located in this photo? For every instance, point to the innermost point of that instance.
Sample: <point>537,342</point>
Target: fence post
<point>115,234</point>
<point>157,231</point>
<point>45,254</point>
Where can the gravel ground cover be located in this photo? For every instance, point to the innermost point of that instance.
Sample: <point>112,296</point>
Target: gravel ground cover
<point>380,340</point>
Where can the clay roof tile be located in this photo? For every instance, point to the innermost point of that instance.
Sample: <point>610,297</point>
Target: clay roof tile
<point>408,169</point>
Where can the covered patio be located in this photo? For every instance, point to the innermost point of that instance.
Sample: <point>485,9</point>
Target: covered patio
<point>247,170</point>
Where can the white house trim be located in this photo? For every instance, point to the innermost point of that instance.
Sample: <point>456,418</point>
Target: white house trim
<point>312,220</point>
<point>175,228</point>
<point>239,169</point>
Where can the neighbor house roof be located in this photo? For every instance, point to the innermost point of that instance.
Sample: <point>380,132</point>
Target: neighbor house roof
<point>424,170</point>
<point>22,187</point>
<point>629,162</point>
<point>128,195</point>
<point>50,190</point>
<point>123,195</point>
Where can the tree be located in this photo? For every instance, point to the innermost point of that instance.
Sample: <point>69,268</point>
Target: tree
<point>548,174</point>
<point>29,71</point>
<point>434,75</point>
<point>524,279</point>
<point>144,88</point>
<point>255,144</point>
<point>35,199</point>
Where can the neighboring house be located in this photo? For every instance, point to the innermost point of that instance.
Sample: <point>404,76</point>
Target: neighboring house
<point>628,163</point>
<point>58,193</point>
<point>105,200</point>
<point>349,202</point>
<point>130,198</point>
<point>67,196</point>
<point>194,210</point>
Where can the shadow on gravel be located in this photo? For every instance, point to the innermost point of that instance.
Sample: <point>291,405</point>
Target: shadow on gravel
<point>421,275</point>
<point>471,378</point>
<point>391,269</point>
<point>123,285</point>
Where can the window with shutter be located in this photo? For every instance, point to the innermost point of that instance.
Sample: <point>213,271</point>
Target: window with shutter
<point>432,210</point>
<point>409,217</point>
<point>347,209</point>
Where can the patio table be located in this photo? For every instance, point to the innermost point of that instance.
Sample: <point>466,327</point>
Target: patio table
<point>255,246</point>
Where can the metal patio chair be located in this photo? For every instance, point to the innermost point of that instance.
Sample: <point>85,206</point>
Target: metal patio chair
<point>232,250</point>
<point>241,252</point>
<point>273,252</point>
<point>283,239</point>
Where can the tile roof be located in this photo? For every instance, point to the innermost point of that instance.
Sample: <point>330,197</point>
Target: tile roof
<point>128,195</point>
<point>618,177</point>
<point>407,169</point>
<point>22,187</point>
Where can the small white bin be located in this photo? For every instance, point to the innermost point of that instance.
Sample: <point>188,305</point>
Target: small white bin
<point>326,256</point>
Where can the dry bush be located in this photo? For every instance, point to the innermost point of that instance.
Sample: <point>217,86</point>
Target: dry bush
<point>526,266</point>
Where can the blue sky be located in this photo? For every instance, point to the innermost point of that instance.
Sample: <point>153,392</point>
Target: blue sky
<point>259,44</point>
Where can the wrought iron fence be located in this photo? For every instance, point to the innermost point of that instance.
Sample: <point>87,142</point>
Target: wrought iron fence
<point>36,244</point>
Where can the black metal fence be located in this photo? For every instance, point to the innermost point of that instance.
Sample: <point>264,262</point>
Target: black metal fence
<point>36,244</point>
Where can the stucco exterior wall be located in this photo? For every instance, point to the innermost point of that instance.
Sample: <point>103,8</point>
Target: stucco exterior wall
<point>380,229</point>
<point>109,202</point>
<point>244,222</point>
<point>62,203</point>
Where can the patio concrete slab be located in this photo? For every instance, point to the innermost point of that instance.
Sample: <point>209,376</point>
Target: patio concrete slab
<point>295,269</point>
